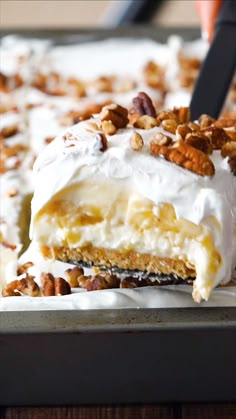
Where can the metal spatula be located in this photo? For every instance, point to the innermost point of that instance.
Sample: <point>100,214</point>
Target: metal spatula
<point>218,67</point>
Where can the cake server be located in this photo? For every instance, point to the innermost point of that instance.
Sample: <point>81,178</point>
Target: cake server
<point>218,68</point>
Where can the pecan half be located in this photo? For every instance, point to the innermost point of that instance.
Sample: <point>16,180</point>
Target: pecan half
<point>225,123</point>
<point>24,268</point>
<point>143,105</point>
<point>62,287</point>
<point>185,156</point>
<point>117,114</point>
<point>182,130</point>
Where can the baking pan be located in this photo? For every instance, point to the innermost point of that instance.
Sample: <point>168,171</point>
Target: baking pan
<point>117,356</point>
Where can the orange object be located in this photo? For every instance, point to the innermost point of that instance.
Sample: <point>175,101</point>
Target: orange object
<point>208,11</point>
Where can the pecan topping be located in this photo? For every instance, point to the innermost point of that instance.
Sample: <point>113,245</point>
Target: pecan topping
<point>73,276</point>
<point>154,75</point>
<point>169,125</point>
<point>166,115</point>
<point>182,130</point>
<point>217,136</point>
<point>49,140</point>
<point>161,139</point>
<point>136,141</point>
<point>185,156</point>
<point>228,149</point>
<point>48,284</point>
<point>22,269</point>
<point>231,134</point>
<point>62,287</point>
<point>54,286</point>
<point>143,105</point>
<point>146,122</point>
<point>183,114</point>
<point>225,123</point>
<point>102,139</point>
<point>99,281</point>
<point>205,121</point>
<point>200,141</point>
<point>232,164</point>
<point>9,131</point>
<point>116,114</point>
<point>108,128</point>
<point>25,286</point>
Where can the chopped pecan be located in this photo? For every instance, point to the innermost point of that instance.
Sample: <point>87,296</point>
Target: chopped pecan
<point>228,149</point>
<point>8,245</point>
<point>102,139</point>
<point>161,116</point>
<point>99,282</point>
<point>116,114</point>
<point>189,63</point>
<point>62,287</point>
<point>225,123</point>
<point>9,131</point>
<point>12,192</point>
<point>7,152</point>
<point>103,84</point>
<point>132,282</point>
<point>146,122</point>
<point>217,136</point>
<point>232,164</point>
<point>71,118</point>
<point>22,269</point>
<point>11,290</point>
<point>49,140</point>
<point>154,75</point>
<point>185,156</point>
<point>136,141</point>
<point>25,286</point>
<point>183,114</point>
<point>108,128</point>
<point>182,130</point>
<point>205,121</point>
<point>169,125</point>
<point>200,141</point>
<point>161,139</point>
<point>143,105</point>
<point>73,276</point>
<point>231,134</point>
<point>76,87</point>
<point>193,126</point>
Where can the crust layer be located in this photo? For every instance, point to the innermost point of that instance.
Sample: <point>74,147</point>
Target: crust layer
<point>124,261</point>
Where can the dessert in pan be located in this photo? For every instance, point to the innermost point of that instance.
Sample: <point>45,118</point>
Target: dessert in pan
<point>143,196</point>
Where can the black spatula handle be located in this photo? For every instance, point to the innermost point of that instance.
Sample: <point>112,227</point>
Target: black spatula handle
<point>227,13</point>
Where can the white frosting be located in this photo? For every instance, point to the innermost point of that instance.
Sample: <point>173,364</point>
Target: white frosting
<point>194,197</point>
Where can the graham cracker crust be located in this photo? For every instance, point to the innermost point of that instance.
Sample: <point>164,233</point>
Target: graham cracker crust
<point>128,261</point>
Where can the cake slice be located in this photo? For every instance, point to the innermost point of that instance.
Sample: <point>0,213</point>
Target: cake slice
<point>145,194</point>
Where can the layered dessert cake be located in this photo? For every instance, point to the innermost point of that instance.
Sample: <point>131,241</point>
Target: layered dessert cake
<point>126,239</point>
<point>147,195</point>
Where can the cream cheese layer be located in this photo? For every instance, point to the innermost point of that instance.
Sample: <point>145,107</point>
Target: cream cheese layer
<point>74,170</point>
